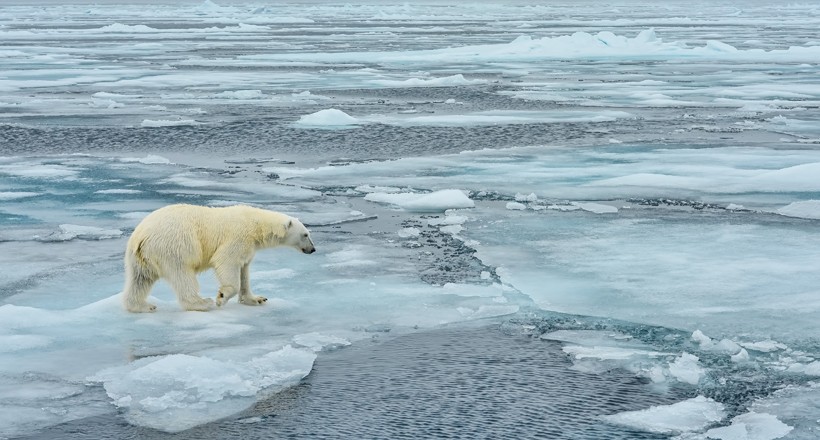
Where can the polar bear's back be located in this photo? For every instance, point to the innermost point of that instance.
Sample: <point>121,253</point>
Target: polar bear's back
<point>190,234</point>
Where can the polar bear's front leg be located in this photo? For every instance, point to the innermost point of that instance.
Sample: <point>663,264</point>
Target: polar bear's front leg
<point>228,277</point>
<point>245,295</point>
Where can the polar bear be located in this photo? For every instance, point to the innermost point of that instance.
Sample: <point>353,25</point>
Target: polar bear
<point>178,241</point>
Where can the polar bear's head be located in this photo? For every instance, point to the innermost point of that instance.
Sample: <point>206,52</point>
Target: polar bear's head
<point>298,237</point>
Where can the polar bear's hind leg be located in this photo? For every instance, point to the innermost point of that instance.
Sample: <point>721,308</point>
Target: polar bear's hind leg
<point>186,286</point>
<point>138,283</point>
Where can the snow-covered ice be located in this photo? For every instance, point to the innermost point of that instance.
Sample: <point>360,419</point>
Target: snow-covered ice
<point>637,181</point>
<point>688,416</point>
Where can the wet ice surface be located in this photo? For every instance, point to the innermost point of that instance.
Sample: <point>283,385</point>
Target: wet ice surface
<point>629,192</point>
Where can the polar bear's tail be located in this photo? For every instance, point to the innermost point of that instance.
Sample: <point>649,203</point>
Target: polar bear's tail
<point>139,278</point>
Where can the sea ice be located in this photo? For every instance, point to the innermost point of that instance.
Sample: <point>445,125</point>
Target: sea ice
<point>68,232</point>
<point>328,118</point>
<point>15,195</point>
<point>803,209</point>
<point>152,123</point>
<point>516,206</point>
<point>176,392</point>
<point>687,416</point>
<point>687,369</point>
<point>751,426</point>
<point>447,81</point>
<point>438,201</point>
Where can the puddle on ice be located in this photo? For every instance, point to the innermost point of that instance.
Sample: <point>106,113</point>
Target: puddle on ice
<point>533,221</point>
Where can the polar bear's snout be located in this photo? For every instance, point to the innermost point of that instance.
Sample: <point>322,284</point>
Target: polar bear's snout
<point>309,248</point>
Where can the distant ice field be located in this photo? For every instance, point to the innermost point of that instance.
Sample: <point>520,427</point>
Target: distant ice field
<point>618,199</point>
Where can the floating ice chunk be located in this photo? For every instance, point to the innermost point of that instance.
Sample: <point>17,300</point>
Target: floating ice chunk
<point>741,356</point>
<point>516,206</point>
<point>151,123</point>
<point>682,417</point>
<point>735,207</point>
<point>125,28</point>
<point>150,159</point>
<point>437,201</point>
<point>751,426</point>
<point>409,232</point>
<point>609,353</point>
<point>812,369</point>
<point>804,209</point>
<point>446,81</point>
<point>176,392</point>
<point>596,208</point>
<point>14,195</point>
<point>448,220</point>
<point>118,191</point>
<point>708,344</point>
<point>328,118</point>
<point>451,229</point>
<point>241,94</point>
<point>318,341</point>
<point>687,369</point>
<point>764,346</point>
<point>69,232</point>
<point>531,197</point>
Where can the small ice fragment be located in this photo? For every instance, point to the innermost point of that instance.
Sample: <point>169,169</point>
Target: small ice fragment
<point>515,206</point>
<point>686,369</point>
<point>766,346</point>
<point>531,197</point>
<point>596,208</point>
<point>151,123</point>
<point>741,356</point>
<point>409,232</point>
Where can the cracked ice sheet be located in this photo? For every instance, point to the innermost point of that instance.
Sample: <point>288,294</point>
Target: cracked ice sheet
<point>51,312</point>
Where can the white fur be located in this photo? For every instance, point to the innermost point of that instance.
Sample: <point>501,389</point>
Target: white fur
<point>178,241</point>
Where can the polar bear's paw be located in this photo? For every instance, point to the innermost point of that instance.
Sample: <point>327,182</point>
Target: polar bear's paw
<point>200,305</point>
<point>253,300</point>
<point>143,308</point>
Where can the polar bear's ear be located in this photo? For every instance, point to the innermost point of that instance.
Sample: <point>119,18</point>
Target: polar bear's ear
<point>290,223</point>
